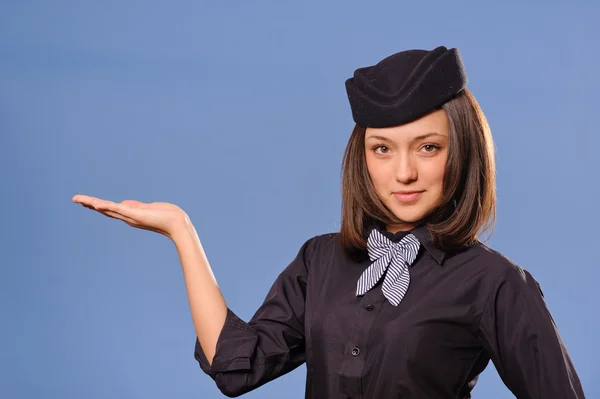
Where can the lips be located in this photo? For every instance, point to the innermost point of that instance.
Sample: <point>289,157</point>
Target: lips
<point>407,197</point>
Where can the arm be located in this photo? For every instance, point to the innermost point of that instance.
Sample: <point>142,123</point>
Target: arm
<point>523,341</point>
<point>207,304</point>
<point>271,344</point>
<point>239,356</point>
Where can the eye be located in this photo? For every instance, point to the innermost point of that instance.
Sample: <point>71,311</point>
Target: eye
<point>430,148</point>
<point>381,149</point>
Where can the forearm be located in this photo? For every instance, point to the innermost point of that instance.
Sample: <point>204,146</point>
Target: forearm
<point>207,304</point>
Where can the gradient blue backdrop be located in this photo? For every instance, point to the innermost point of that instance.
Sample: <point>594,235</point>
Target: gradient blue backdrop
<point>237,112</point>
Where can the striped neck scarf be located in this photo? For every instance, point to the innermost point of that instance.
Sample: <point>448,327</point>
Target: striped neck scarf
<point>395,257</point>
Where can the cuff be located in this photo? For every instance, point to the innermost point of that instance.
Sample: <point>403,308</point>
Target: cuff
<point>235,349</point>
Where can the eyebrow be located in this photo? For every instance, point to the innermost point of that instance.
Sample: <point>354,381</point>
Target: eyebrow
<point>421,137</point>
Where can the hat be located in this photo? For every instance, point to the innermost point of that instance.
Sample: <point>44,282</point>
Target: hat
<point>405,86</point>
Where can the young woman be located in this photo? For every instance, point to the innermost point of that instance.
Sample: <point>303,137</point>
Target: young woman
<point>405,301</point>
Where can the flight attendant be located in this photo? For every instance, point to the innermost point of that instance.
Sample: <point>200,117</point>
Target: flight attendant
<point>405,301</point>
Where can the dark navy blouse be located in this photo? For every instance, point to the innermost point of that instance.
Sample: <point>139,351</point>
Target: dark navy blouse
<point>462,310</point>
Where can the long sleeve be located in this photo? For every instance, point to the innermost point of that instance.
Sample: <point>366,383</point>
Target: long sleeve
<point>271,344</point>
<point>523,341</point>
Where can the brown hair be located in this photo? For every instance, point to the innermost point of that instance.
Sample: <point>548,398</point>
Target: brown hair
<point>468,203</point>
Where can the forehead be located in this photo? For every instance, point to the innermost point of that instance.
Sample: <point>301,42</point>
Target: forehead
<point>435,122</point>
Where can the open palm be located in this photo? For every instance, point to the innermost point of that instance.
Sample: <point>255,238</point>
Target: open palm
<point>160,217</point>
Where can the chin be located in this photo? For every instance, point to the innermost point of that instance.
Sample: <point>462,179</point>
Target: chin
<point>410,216</point>
<point>410,220</point>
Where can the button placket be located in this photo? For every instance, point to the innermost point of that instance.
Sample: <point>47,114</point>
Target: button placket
<point>352,368</point>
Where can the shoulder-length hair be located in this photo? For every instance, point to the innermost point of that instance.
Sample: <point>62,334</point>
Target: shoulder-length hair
<point>468,203</point>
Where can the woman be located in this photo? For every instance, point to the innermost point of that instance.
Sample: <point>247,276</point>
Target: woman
<point>404,301</point>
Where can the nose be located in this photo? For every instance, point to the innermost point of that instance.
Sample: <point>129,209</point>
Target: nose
<point>406,170</point>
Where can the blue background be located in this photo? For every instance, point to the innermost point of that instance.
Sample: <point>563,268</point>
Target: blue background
<point>237,112</point>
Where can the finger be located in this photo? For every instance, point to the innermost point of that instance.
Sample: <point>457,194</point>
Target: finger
<point>88,206</point>
<point>82,198</point>
<point>101,206</point>
<point>133,213</point>
<point>106,205</point>
<point>86,199</point>
<point>118,216</point>
<point>129,221</point>
<point>77,198</point>
<point>107,212</point>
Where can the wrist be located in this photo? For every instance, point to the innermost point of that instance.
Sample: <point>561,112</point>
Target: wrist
<point>181,228</point>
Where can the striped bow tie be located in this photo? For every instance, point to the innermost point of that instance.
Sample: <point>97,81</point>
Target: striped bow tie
<point>393,256</point>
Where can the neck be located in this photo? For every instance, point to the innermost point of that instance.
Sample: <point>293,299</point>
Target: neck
<point>394,228</point>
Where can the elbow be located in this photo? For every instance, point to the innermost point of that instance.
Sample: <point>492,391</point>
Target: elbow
<point>231,387</point>
<point>231,393</point>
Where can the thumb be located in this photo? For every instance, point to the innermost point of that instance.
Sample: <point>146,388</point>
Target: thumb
<point>132,203</point>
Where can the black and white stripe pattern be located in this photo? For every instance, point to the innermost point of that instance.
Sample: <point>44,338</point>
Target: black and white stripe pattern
<point>396,257</point>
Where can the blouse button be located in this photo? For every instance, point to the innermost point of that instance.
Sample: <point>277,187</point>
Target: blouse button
<point>370,307</point>
<point>355,351</point>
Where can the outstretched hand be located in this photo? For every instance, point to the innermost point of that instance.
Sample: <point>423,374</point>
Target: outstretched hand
<point>160,217</point>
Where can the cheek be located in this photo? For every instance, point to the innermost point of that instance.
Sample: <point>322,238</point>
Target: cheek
<point>435,172</point>
<point>378,173</point>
